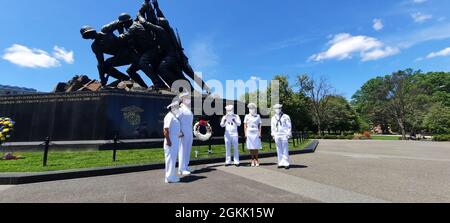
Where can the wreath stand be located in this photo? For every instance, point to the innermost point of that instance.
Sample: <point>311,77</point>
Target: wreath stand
<point>203,137</point>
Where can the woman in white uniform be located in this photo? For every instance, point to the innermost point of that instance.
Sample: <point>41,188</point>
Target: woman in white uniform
<point>172,133</point>
<point>253,133</point>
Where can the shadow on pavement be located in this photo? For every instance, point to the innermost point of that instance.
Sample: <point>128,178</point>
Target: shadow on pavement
<point>298,167</point>
<point>268,164</point>
<point>191,179</point>
<point>205,170</point>
<point>261,164</point>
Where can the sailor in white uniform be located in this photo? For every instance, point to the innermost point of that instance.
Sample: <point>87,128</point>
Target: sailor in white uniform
<point>186,118</point>
<point>172,133</point>
<point>253,133</point>
<point>231,122</point>
<point>282,132</point>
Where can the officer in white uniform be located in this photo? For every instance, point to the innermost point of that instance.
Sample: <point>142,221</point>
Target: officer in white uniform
<point>172,133</point>
<point>187,121</point>
<point>282,132</point>
<point>231,122</point>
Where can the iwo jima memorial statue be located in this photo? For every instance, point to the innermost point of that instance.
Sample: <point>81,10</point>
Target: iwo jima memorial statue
<point>90,112</point>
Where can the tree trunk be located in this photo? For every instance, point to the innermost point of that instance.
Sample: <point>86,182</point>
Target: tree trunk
<point>402,127</point>
<point>319,127</point>
<point>404,134</point>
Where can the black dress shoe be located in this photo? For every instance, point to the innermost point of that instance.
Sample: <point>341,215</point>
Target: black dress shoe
<point>280,167</point>
<point>237,165</point>
<point>288,167</point>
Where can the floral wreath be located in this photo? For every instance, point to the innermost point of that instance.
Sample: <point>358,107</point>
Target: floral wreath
<point>6,128</point>
<point>199,135</point>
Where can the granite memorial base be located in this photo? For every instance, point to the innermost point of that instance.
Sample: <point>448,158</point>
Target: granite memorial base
<point>89,119</point>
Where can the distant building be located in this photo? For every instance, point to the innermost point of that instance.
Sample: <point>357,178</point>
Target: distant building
<point>12,90</point>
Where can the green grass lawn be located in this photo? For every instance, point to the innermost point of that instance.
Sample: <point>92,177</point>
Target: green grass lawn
<point>32,161</point>
<point>375,137</point>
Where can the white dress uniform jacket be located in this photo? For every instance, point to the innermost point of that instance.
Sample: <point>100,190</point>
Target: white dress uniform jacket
<point>231,124</point>
<point>171,152</point>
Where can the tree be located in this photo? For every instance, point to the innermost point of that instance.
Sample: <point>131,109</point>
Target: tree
<point>340,116</point>
<point>403,99</point>
<point>370,103</point>
<point>397,98</point>
<point>294,104</point>
<point>436,85</point>
<point>438,119</point>
<point>319,92</point>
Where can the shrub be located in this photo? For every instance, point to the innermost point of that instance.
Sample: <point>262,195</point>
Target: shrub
<point>362,136</point>
<point>350,137</point>
<point>330,137</point>
<point>441,138</point>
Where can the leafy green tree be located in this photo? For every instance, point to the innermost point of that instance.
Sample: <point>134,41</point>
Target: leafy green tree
<point>436,85</point>
<point>402,100</point>
<point>370,103</point>
<point>340,116</point>
<point>438,119</point>
<point>294,104</point>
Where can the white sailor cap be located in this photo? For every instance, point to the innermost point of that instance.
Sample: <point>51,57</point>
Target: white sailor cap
<point>174,104</point>
<point>252,106</point>
<point>278,106</point>
<point>184,95</point>
<point>229,108</point>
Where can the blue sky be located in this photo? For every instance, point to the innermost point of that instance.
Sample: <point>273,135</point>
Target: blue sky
<point>348,41</point>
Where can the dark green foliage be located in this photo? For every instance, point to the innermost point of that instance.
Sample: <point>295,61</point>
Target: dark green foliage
<point>408,102</point>
<point>441,138</point>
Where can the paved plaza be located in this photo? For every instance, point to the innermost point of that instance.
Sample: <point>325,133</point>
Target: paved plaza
<point>340,171</point>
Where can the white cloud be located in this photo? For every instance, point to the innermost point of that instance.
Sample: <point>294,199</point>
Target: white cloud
<point>379,53</point>
<point>36,58</point>
<point>32,58</point>
<point>378,24</point>
<point>443,53</point>
<point>344,46</point>
<point>203,55</point>
<point>420,17</point>
<point>64,55</point>
<point>433,33</point>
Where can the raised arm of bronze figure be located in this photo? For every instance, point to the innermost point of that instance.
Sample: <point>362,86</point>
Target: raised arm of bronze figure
<point>159,12</point>
<point>148,12</point>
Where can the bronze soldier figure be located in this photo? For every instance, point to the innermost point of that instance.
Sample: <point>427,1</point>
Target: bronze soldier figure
<point>168,67</point>
<point>118,25</point>
<point>121,53</point>
<point>148,44</point>
<point>145,44</point>
<point>182,59</point>
<point>107,44</point>
<point>148,12</point>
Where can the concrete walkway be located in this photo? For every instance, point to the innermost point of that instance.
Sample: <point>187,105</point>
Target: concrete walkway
<point>340,171</point>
